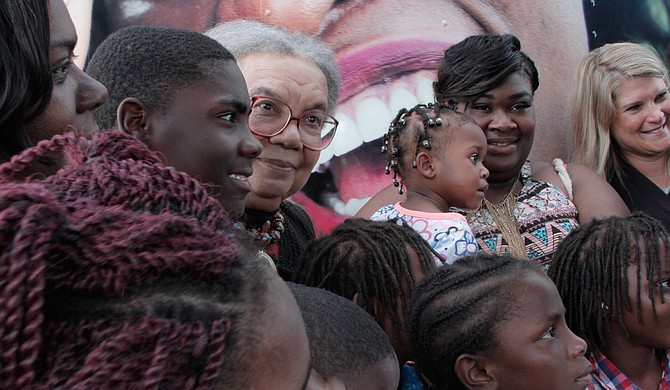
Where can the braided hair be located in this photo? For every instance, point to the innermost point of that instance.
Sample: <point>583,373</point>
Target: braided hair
<point>457,309</point>
<point>371,259</point>
<point>110,278</point>
<point>415,129</point>
<point>118,171</point>
<point>590,267</point>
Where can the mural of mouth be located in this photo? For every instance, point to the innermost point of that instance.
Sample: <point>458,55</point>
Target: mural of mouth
<point>388,51</point>
<point>378,79</point>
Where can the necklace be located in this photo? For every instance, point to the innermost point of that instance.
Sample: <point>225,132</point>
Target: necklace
<point>503,215</point>
<point>269,234</point>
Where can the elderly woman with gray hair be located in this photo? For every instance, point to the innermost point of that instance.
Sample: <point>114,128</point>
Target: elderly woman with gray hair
<point>294,85</point>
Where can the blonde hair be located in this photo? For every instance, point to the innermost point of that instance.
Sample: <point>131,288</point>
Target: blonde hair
<point>600,75</point>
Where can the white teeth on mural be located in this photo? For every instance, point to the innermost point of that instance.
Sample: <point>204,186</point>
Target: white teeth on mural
<point>134,8</point>
<point>372,118</point>
<point>336,204</point>
<point>347,137</point>
<point>349,208</point>
<point>400,98</point>
<point>424,90</point>
<point>326,154</point>
<point>353,205</point>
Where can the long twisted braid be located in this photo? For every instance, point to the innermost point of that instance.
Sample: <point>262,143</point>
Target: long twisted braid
<point>113,274</point>
<point>369,258</point>
<point>590,267</point>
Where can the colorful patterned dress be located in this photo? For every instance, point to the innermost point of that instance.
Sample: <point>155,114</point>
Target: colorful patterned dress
<point>544,214</point>
<point>447,233</point>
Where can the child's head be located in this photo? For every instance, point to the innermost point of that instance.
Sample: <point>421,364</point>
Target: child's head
<point>494,322</point>
<point>375,264</point>
<point>437,150</point>
<point>124,272</point>
<point>349,349</point>
<point>613,277</point>
<point>183,95</point>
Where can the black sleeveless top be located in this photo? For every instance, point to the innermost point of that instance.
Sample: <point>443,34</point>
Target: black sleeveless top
<point>641,194</point>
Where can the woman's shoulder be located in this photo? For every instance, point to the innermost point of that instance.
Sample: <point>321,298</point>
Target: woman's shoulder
<point>550,173</point>
<point>591,194</point>
<point>546,172</point>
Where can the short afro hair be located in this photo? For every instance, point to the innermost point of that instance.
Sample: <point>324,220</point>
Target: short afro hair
<point>150,63</point>
<point>344,340</point>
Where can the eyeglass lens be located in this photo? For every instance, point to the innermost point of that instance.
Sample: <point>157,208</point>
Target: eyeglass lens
<point>270,117</point>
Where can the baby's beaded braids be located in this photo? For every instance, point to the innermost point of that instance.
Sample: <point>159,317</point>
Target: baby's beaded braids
<point>405,132</point>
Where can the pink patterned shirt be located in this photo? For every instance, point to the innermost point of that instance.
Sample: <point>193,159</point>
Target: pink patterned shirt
<point>447,233</point>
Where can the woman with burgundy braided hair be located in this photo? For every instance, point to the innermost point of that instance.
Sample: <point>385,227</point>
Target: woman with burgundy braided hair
<point>119,272</point>
<point>130,176</point>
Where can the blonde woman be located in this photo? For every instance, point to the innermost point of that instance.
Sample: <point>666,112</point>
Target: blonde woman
<point>620,111</point>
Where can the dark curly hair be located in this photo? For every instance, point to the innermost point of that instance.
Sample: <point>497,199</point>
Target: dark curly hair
<point>422,127</point>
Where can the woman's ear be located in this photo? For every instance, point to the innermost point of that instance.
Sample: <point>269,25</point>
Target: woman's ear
<point>473,372</point>
<point>424,164</point>
<point>131,117</point>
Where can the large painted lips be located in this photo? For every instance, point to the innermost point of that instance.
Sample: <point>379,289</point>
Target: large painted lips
<point>377,80</point>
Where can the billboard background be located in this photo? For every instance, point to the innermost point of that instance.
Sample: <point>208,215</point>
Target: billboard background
<point>388,51</point>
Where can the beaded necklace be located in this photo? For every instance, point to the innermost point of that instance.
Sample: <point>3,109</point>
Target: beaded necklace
<point>269,234</point>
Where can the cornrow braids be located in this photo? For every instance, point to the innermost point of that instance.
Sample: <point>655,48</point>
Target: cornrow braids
<point>99,267</point>
<point>457,309</point>
<point>590,267</point>
<point>414,128</point>
<point>368,258</point>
